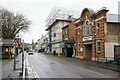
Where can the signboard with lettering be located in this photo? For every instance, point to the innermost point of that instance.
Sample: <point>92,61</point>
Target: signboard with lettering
<point>87,38</point>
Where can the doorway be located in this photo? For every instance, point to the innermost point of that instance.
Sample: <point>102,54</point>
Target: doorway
<point>87,51</point>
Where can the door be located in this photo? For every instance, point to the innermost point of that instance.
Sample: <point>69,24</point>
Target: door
<point>69,52</point>
<point>117,51</point>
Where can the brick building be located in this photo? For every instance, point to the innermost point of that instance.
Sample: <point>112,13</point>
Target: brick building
<point>96,34</point>
<point>69,38</point>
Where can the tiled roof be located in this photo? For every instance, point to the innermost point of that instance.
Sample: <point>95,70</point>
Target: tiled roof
<point>7,41</point>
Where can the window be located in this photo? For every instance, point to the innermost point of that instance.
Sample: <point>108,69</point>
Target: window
<point>54,34</point>
<point>78,32</point>
<point>98,27</point>
<point>86,16</point>
<point>63,31</point>
<point>78,47</point>
<point>90,28</point>
<point>66,31</point>
<point>87,27</point>
<point>98,47</point>
<point>83,30</point>
<point>44,40</point>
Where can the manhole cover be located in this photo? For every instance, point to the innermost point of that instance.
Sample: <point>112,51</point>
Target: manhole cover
<point>52,63</point>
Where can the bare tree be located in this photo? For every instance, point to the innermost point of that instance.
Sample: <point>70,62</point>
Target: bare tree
<point>12,23</point>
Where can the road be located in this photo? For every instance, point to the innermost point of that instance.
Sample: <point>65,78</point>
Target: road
<point>48,66</point>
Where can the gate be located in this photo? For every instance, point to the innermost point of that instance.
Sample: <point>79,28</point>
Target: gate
<point>117,51</point>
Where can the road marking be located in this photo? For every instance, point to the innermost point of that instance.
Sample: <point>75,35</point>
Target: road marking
<point>35,74</point>
<point>91,71</point>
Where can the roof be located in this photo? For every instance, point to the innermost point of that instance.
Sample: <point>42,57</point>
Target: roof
<point>89,9</point>
<point>69,20</point>
<point>60,13</point>
<point>113,18</point>
<point>7,41</point>
<point>64,26</point>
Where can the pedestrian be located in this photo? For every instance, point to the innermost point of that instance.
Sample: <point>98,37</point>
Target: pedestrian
<point>10,54</point>
<point>54,53</point>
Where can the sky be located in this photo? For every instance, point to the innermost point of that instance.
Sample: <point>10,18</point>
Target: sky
<point>38,10</point>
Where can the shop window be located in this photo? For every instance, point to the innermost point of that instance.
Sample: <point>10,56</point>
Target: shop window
<point>98,47</point>
<point>78,47</point>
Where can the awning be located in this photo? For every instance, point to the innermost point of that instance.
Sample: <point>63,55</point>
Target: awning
<point>49,45</point>
<point>56,43</point>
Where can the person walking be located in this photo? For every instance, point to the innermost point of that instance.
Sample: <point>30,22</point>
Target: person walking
<point>54,53</point>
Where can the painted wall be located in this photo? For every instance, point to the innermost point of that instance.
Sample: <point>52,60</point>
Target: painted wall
<point>41,41</point>
<point>56,28</point>
<point>111,38</point>
<point>109,49</point>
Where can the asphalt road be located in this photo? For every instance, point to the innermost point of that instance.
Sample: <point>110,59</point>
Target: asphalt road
<point>48,66</point>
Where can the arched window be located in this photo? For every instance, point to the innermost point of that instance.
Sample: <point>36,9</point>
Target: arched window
<point>78,32</point>
<point>87,27</point>
<point>83,30</point>
<point>98,27</point>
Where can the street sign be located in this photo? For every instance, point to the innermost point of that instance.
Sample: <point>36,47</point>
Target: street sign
<point>1,43</point>
<point>15,43</point>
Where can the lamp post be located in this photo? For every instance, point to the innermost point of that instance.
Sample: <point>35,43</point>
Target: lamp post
<point>23,65</point>
<point>15,58</point>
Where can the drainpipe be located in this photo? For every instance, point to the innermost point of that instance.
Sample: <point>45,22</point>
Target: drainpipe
<point>95,46</point>
<point>94,32</point>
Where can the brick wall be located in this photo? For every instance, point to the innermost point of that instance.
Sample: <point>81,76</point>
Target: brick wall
<point>99,17</point>
<point>72,33</point>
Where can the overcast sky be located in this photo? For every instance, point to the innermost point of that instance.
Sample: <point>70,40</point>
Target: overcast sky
<point>38,10</point>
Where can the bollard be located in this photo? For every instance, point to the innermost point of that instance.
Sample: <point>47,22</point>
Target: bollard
<point>59,54</point>
<point>117,63</point>
<point>106,61</point>
<point>97,59</point>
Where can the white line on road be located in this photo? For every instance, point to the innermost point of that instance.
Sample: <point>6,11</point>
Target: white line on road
<point>91,71</point>
<point>35,74</point>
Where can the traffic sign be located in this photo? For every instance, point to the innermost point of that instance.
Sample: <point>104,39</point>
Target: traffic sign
<point>15,43</point>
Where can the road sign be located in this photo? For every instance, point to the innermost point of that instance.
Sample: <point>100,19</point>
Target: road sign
<point>15,43</point>
<point>1,43</point>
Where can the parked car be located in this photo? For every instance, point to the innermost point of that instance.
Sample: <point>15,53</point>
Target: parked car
<point>30,52</point>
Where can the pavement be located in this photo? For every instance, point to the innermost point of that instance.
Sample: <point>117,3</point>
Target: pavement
<point>7,71</point>
<point>7,67</point>
<point>0,69</point>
